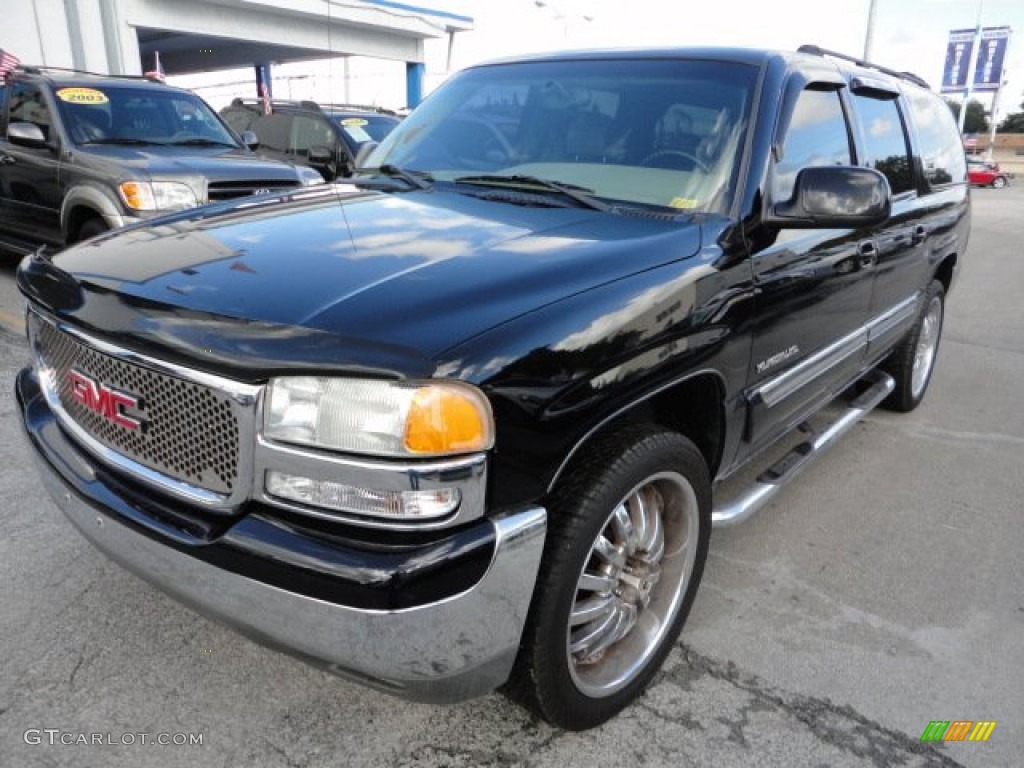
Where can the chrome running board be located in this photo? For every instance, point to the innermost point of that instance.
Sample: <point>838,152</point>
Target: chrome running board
<point>772,480</point>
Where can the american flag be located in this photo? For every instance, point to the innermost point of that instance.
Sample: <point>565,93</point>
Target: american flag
<point>157,72</point>
<point>265,98</point>
<point>8,61</point>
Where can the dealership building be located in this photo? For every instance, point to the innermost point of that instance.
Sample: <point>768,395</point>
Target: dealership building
<point>189,36</point>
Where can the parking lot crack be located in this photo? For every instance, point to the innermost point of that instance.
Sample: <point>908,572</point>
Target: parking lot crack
<point>839,726</point>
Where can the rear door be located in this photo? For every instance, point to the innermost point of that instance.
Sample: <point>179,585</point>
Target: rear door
<point>812,292</point>
<point>901,264</point>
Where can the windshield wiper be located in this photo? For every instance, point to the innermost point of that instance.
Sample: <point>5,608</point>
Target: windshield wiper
<point>125,142</point>
<point>581,195</point>
<point>199,142</point>
<point>417,179</point>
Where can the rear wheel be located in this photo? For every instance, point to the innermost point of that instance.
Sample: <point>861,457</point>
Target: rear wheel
<point>627,540</point>
<point>912,362</point>
<point>998,182</point>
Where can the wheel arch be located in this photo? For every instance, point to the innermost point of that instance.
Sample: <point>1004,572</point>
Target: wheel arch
<point>945,270</point>
<point>85,202</point>
<point>693,406</point>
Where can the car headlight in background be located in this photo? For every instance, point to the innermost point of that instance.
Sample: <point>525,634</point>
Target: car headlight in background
<point>310,177</point>
<point>157,195</point>
<point>378,417</point>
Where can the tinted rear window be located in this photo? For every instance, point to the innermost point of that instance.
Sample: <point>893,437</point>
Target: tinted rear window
<point>885,140</point>
<point>942,155</point>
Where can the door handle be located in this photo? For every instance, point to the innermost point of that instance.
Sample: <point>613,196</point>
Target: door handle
<point>919,234</point>
<point>867,254</point>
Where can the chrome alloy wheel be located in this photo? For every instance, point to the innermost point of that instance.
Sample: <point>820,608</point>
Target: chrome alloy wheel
<point>927,346</point>
<point>632,584</point>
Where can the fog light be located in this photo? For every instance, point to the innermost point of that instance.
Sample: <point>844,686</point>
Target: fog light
<point>393,505</point>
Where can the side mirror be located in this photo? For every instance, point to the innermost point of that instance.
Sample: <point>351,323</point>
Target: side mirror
<point>251,140</point>
<point>365,150</point>
<point>834,196</point>
<point>26,135</point>
<point>321,157</point>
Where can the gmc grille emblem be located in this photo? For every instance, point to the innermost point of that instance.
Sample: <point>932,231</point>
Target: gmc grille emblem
<point>99,398</point>
<point>263,191</point>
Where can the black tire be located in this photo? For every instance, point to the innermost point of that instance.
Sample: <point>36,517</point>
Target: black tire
<point>91,228</point>
<point>648,475</point>
<point>912,363</point>
<point>998,182</point>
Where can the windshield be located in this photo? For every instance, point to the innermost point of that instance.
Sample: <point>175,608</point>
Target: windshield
<point>657,132</point>
<point>369,128</point>
<point>123,114</point>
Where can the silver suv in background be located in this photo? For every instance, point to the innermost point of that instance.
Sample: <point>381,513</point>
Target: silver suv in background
<point>82,153</point>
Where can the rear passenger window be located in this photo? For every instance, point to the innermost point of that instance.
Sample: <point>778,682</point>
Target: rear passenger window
<point>274,130</point>
<point>886,141</point>
<point>942,155</point>
<point>817,135</point>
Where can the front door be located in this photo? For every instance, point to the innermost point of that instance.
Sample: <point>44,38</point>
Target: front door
<point>30,176</point>
<point>812,291</point>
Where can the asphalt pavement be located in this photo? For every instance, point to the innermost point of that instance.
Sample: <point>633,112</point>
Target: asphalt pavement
<point>879,592</point>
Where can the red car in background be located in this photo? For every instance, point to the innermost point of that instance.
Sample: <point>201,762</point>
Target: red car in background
<point>986,174</point>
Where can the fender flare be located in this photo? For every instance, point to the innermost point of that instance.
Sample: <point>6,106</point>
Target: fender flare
<point>97,199</point>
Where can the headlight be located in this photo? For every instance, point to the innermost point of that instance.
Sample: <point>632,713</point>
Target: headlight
<point>157,195</point>
<point>380,418</point>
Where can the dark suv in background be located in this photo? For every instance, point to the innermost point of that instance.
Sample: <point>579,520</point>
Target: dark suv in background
<point>82,153</point>
<point>326,137</point>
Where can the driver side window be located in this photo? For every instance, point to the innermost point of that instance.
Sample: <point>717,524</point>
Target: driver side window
<point>28,105</point>
<point>817,136</point>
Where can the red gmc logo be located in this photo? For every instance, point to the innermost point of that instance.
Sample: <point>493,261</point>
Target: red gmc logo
<point>106,401</point>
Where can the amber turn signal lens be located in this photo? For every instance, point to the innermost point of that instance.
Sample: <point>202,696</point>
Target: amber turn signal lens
<point>447,420</point>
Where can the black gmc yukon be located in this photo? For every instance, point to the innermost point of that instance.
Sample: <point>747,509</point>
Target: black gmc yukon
<point>461,423</point>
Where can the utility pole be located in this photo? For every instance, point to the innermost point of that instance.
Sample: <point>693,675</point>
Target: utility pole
<point>971,67</point>
<point>869,36</point>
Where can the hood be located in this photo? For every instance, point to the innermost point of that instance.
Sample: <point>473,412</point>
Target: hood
<point>213,163</point>
<point>419,271</point>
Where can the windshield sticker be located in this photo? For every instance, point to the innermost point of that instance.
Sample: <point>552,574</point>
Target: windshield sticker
<point>683,202</point>
<point>357,133</point>
<point>82,96</point>
<point>355,121</point>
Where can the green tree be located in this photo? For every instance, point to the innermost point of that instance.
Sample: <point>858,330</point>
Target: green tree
<point>976,120</point>
<point>1014,122</point>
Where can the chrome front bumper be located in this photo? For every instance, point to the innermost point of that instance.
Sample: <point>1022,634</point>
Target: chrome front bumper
<point>440,652</point>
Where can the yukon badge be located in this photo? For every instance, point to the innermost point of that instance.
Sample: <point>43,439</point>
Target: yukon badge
<point>104,400</point>
<point>778,357</point>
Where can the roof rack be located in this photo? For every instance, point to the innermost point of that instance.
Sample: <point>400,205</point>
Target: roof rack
<point>45,70</point>
<point>815,50</point>
<point>239,101</point>
<point>361,107</point>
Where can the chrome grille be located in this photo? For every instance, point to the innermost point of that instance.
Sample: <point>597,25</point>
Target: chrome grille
<point>227,190</point>
<point>190,431</point>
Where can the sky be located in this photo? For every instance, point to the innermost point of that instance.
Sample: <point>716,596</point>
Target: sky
<point>908,35</point>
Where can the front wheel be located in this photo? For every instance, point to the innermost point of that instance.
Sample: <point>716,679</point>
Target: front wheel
<point>627,540</point>
<point>998,182</point>
<point>91,228</point>
<point>912,362</point>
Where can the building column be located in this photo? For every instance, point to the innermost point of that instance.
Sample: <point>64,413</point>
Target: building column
<point>414,82</point>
